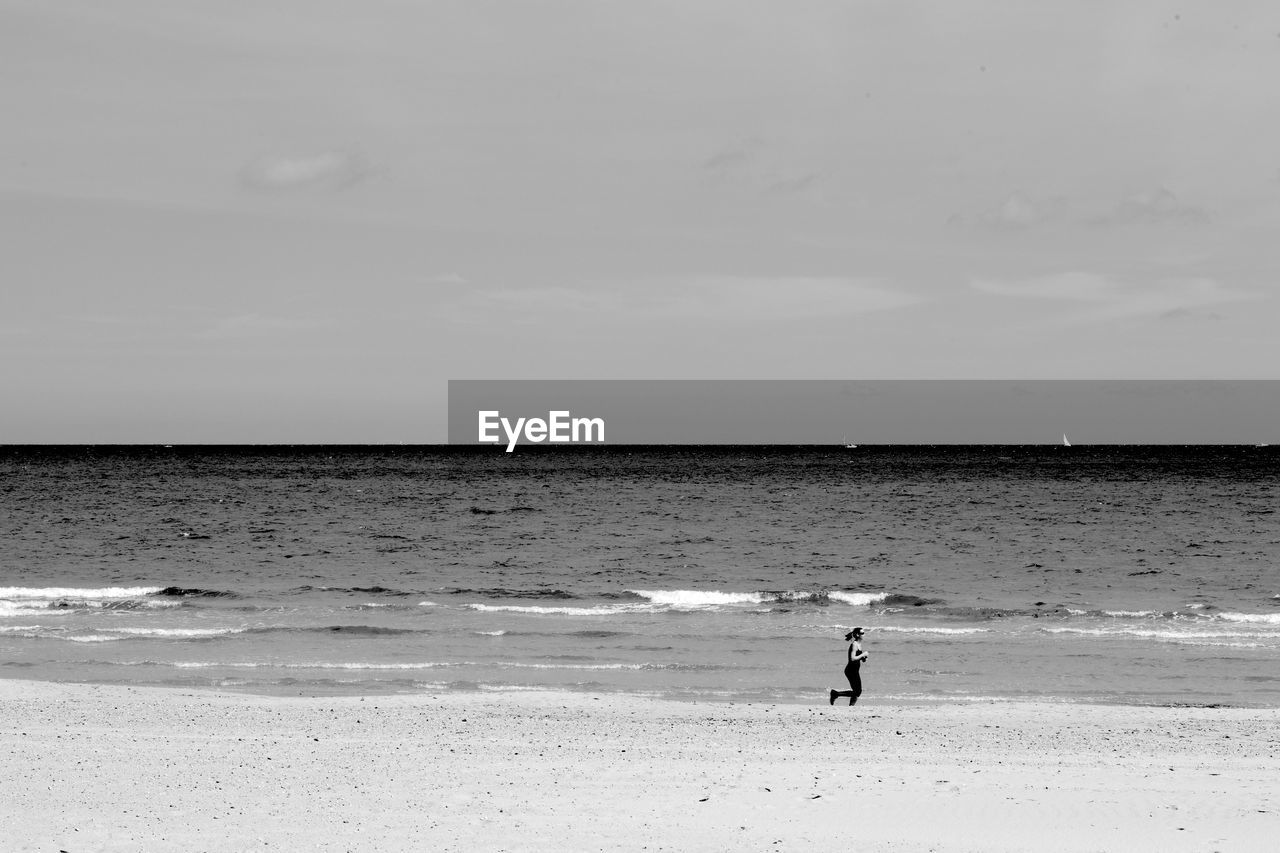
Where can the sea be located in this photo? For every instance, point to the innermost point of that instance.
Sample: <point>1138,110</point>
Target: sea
<point>1104,574</point>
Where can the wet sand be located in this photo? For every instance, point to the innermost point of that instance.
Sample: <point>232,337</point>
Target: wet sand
<point>98,768</point>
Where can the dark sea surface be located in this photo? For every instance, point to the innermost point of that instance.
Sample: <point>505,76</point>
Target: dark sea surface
<point>1141,575</point>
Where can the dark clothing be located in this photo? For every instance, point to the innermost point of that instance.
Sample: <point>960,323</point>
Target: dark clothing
<point>851,672</point>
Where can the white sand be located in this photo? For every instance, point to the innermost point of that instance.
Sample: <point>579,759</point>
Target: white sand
<point>88,768</point>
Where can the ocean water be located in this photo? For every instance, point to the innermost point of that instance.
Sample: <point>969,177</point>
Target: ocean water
<point>1142,575</point>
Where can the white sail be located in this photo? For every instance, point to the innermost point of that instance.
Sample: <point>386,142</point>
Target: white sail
<point>1065,443</point>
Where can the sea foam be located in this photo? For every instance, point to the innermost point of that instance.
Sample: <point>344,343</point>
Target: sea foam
<point>598,610</point>
<point>17,593</point>
<point>692,598</point>
<point>1267,618</point>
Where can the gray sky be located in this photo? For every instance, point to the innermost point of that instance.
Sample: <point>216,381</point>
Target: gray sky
<point>293,221</point>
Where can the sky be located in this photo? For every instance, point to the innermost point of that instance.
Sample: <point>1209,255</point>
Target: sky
<point>293,221</point>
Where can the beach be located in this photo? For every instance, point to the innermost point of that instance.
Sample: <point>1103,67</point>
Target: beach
<point>112,767</point>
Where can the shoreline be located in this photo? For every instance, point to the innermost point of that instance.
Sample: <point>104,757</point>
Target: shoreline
<point>111,767</point>
<point>373,689</point>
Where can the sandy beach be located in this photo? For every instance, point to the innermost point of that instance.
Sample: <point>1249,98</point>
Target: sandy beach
<point>97,768</point>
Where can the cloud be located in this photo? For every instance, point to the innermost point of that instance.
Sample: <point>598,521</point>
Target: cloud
<point>1080,286</point>
<point>331,170</point>
<point>1017,211</point>
<point>1182,314</point>
<point>1156,206</point>
<point>1110,298</point>
<point>1159,206</point>
<point>761,168</point>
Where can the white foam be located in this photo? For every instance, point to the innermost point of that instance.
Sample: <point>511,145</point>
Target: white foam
<point>108,634</point>
<point>63,607</point>
<point>693,598</point>
<point>316,665</point>
<point>427,604</point>
<point>1122,614</point>
<point>177,632</point>
<point>58,592</point>
<point>490,633</point>
<point>8,608</point>
<point>913,630</point>
<point>858,599</point>
<point>598,610</point>
<point>696,599</point>
<point>392,666</point>
<point>1268,618</point>
<point>1164,634</point>
<point>521,665</point>
<point>951,697</point>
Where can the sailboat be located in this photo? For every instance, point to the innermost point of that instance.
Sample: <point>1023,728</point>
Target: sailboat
<point>1065,443</point>
<point>848,446</point>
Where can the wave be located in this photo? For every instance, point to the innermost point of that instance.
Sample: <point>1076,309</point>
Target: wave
<point>859,599</point>
<point>106,635</point>
<point>345,630</point>
<point>1119,614</point>
<point>697,599</point>
<point>597,610</point>
<point>309,665</point>
<point>503,592</point>
<point>898,629</point>
<point>63,606</point>
<point>902,600</point>
<point>1200,613</point>
<point>657,601</point>
<point>352,590</point>
<point>1165,633</point>
<point>1266,618</point>
<point>378,666</point>
<point>23,593</point>
<point>194,592</point>
<point>182,633</point>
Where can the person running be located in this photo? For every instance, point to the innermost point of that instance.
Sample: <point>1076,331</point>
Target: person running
<point>851,669</point>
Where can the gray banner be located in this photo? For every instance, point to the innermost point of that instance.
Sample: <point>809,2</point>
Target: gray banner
<point>863,412</point>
